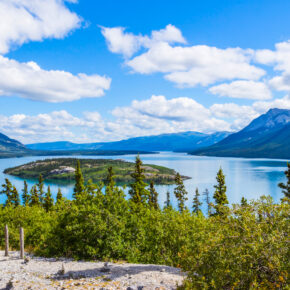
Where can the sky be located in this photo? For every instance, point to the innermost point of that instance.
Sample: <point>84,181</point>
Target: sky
<point>94,71</point>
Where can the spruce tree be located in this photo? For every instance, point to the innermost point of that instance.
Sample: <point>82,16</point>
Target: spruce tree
<point>25,194</point>
<point>207,201</point>
<point>79,182</point>
<point>7,190</point>
<point>48,200</point>
<point>110,182</point>
<point>220,196</point>
<point>138,191</point>
<point>34,196</point>
<point>153,200</point>
<point>286,186</point>
<point>59,197</point>
<point>15,197</point>
<point>40,186</point>
<point>180,192</point>
<point>196,203</point>
<point>167,202</point>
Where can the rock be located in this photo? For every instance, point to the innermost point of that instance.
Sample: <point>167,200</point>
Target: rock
<point>62,270</point>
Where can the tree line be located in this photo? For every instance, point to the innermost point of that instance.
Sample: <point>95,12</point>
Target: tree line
<point>239,246</point>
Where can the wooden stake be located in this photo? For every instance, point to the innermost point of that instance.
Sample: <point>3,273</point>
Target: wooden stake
<point>21,243</point>
<point>6,241</point>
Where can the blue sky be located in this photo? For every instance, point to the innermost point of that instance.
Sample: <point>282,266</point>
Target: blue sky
<point>89,71</point>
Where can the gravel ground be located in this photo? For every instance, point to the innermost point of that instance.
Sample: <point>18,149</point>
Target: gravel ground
<point>42,273</point>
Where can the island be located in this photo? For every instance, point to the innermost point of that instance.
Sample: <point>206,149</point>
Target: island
<point>63,170</point>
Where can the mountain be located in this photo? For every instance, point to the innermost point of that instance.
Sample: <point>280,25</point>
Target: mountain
<point>268,136</point>
<point>183,142</point>
<point>10,147</point>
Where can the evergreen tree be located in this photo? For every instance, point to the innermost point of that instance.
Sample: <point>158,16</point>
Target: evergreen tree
<point>110,182</point>
<point>7,190</point>
<point>153,200</point>
<point>48,200</point>
<point>15,197</point>
<point>138,191</point>
<point>25,194</point>
<point>196,203</point>
<point>207,201</point>
<point>79,181</point>
<point>180,192</point>
<point>167,202</point>
<point>59,197</point>
<point>286,186</point>
<point>244,202</point>
<point>220,196</point>
<point>34,196</point>
<point>40,186</point>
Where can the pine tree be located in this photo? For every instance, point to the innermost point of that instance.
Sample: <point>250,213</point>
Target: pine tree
<point>34,196</point>
<point>138,191</point>
<point>153,200</point>
<point>196,203</point>
<point>48,200</point>
<point>40,186</point>
<point>59,197</point>
<point>286,186</point>
<point>25,194</point>
<point>15,197</point>
<point>79,181</point>
<point>207,201</point>
<point>220,196</point>
<point>7,190</point>
<point>180,192</point>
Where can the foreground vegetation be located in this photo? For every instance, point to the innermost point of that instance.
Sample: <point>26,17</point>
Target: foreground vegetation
<point>62,169</point>
<point>244,246</point>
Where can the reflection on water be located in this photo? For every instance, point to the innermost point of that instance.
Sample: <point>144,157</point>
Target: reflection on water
<point>250,178</point>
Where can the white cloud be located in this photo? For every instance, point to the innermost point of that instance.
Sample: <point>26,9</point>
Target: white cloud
<point>280,59</point>
<point>243,90</point>
<point>29,81</point>
<point>187,66</point>
<point>34,20</point>
<point>127,44</point>
<point>281,103</point>
<point>153,116</point>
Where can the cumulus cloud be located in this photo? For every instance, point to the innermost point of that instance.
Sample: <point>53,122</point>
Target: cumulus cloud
<point>34,20</point>
<point>127,44</point>
<point>29,81</point>
<point>22,21</point>
<point>153,116</point>
<point>186,66</point>
<point>280,60</point>
<point>243,90</point>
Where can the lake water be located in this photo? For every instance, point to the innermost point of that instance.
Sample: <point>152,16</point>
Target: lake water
<point>250,178</point>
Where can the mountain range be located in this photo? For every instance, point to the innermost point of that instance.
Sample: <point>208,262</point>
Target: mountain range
<point>183,141</point>
<point>267,136</point>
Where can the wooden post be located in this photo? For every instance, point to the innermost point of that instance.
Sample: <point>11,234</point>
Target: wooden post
<point>6,241</point>
<point>21,243</point>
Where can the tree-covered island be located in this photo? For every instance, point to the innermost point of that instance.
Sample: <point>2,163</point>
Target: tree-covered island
<point>63,169</point>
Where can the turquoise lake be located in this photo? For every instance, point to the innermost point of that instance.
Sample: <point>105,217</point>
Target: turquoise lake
<point>249,178</point>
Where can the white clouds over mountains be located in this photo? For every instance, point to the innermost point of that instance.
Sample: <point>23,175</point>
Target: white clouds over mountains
<point>155,115</point>
<point>34,20</point>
